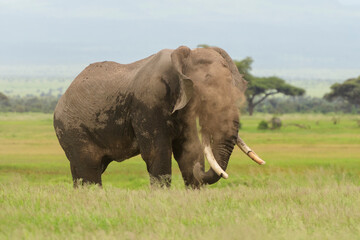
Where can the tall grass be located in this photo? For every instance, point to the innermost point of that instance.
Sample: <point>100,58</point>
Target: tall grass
<point>321,207</point>
<point>309,188</point>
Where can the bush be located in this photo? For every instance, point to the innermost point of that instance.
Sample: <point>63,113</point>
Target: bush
<point>263,125</point>
<point>276,123</point>
<point>335,120</point>
<point>44,104</point>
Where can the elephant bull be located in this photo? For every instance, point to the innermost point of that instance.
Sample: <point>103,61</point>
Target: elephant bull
<point>154,107</point>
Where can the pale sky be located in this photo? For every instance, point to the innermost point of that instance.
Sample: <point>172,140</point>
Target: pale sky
<point>277,34</point>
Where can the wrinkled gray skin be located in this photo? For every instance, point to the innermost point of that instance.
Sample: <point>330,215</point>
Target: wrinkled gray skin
<point>112,112</point>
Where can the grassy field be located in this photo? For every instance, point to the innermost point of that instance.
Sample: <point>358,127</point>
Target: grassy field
<point>309,188</point>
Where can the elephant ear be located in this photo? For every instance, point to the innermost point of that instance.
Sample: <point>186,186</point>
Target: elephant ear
<point>240,83</point>
<point>179,59</point>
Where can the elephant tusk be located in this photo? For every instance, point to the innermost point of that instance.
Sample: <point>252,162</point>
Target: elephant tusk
<point>212,161</point>
<point>242,145</point>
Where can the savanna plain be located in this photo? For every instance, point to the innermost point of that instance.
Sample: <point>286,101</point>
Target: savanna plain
<point>309,188</point>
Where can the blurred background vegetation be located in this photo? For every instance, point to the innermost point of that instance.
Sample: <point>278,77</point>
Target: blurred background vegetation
<point>270,94</point>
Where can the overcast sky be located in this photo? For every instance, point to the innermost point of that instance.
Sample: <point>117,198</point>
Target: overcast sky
<point>277,34</point>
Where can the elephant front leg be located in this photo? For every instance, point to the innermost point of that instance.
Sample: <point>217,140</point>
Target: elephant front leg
<point>156,151</point>
<point>159,168</point>
<point>158,163</point>
<point>188,152</point>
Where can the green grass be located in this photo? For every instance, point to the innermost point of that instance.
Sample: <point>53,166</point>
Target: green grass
<point>309,188</point>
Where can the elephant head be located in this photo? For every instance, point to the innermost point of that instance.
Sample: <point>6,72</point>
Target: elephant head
<point>212,90</point>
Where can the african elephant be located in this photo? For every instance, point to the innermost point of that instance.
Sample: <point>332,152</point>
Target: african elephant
<point>154,107</point>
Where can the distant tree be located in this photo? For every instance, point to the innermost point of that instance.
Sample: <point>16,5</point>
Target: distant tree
<point>259,88</point>
<point>348,90</point>
<point>3,97</point>
<point>4,100</point>
<point>244,67</point>
<point>304,104</point>
<point>203,46</point>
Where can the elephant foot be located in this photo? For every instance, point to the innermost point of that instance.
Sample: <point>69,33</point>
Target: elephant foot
<point>163,181</point>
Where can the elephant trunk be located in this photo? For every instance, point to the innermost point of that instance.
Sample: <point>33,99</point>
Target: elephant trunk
<point>217,154</point>
<point>222,153</point>
<point>208,177</point>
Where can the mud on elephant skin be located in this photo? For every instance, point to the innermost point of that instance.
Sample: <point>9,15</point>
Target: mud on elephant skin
<point>112,112</point>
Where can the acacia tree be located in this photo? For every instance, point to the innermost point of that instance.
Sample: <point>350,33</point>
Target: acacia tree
<point>348,90</point>
<point>259,88</point>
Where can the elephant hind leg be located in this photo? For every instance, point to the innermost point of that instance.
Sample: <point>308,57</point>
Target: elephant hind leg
<point>84,174</point>
<point>86,168</point>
